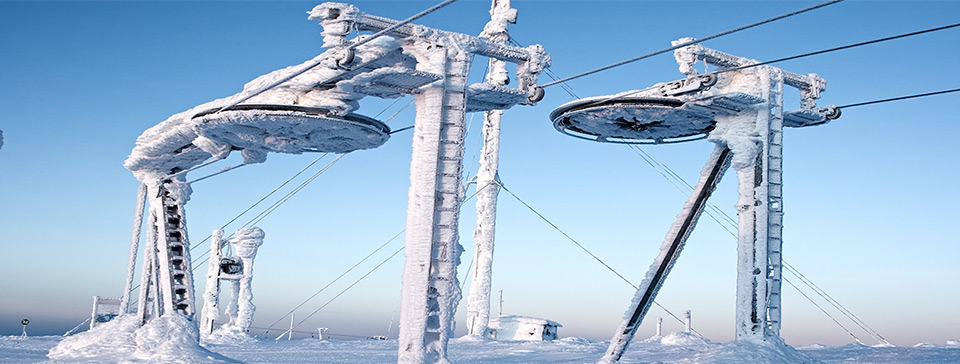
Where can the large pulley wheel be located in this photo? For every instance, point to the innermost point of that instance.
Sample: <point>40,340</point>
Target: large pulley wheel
<point>632,120</point>
<point>292,129</point>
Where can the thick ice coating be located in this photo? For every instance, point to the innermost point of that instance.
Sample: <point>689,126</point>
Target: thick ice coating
<point>308,113</point>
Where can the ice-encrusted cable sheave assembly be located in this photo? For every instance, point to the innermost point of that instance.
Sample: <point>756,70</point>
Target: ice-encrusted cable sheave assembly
<point>741,111</point>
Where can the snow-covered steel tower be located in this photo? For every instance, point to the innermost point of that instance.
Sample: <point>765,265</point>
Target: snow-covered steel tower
<point>308,108</point>
<point>739,107</point>
<point>430,291</point>
<point>478,303</point>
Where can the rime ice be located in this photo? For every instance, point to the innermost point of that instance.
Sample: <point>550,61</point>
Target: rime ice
<point>741,111</point>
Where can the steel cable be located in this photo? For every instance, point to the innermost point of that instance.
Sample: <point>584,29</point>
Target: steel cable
<point>684,44</point>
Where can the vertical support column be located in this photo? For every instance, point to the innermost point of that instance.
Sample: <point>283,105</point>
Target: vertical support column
<point>430,291</point>
<point>175,280</point>
<point>134,247</point>
<point>478,303</point>
<point>211,296</point>
<point>760,214</point>
<point>149,294</point>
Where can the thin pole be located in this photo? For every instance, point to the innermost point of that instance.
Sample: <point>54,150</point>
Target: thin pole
<point>134,247</point>
<point>500,310</point>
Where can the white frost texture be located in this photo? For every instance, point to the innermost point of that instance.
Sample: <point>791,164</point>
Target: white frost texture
<point>300,117</point>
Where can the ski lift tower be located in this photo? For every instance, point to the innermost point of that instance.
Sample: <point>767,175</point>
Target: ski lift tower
<point>308,108</point>
<point>739,108</point>
<point>430,291</point>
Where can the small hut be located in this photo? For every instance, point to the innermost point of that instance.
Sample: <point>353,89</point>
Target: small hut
<point>525,328</point>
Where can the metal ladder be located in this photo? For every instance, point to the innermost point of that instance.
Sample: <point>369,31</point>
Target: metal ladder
<point>173,253</point>
<point>773,149</point>
<point>445,250</point>
<point>437,161</point>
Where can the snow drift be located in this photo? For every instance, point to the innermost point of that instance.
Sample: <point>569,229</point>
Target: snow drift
<point>168,339</point>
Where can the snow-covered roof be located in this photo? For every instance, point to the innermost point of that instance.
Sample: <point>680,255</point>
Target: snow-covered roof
<point>524,320</point>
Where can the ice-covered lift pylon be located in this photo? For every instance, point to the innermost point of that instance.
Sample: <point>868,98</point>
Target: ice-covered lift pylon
<point>308,108</point>
<point>740,109</point>
<point>430,291</point>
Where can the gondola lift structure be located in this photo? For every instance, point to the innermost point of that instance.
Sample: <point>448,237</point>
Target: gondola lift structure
<point>739,108</point>
<point>309,108</point>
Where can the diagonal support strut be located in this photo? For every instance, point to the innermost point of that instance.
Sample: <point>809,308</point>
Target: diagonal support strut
<point>669,252</point>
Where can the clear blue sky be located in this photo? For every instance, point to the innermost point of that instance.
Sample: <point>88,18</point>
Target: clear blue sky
<point>870,199</point>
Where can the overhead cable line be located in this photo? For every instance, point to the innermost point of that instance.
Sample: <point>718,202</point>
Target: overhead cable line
<point>401,23</point>
<point>217,173</point>
<point>823,294</point>
<point>899,98</point>
<point>839,48</point>
<point>684,44</point>
<point>586,250</point>
<point>336,279</point>
<point>275,205</point>
<point>824,312</point>
<point>549,73</point>
<point>712,210</point>
<point>634,92</point>
<point>290,194</point>
<point>196,263</point>
<point>270,209</point>
<point>388,107</point>
<point>358,280</point>
<point>346,289</point>
<point>263,198</point>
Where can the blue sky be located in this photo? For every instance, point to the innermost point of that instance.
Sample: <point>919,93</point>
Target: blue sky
<point>869,199</point>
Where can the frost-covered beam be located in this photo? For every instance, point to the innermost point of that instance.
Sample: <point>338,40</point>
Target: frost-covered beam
<point>669,252</point>
<point>810,85</point>
<point>339,20</point>
<point>342,18</point>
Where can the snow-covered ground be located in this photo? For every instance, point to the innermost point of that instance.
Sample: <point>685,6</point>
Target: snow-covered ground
<point>673,348</point>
